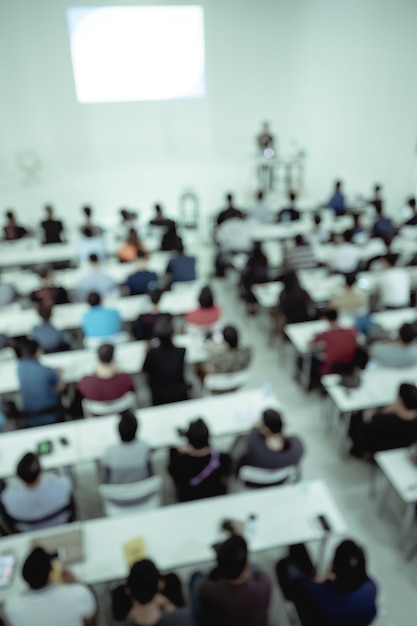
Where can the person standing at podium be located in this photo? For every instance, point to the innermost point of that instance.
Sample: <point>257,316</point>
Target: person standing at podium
<point>265,139</point>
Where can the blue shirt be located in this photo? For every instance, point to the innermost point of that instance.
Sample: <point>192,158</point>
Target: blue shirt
<point>49,338</point>
<point>101,322</point>
<point>337,203</point>
<point>37,385</point>
<point>141,281</point>
<point>181,268</point>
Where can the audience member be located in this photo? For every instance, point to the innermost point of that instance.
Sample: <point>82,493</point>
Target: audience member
<point>261,211</point>
<point>230,212</point>
<point>376,200</point>
<point>337,200</point>
<point>399,353</point>
<point>412,220</point>
<point>96,231</point>
<point>383,227</point>
<point>207,313</point>
<point>233,594</point>
<point>351,299</point>
<point>127,224</point>
<point>171,239</point>
<point>142,280</point>
<point>265,139</point>
<point>289,213</point>
<point>318,235</point>
<point>48,293</point>
<point>394,284</point>
<point>49,338</point>
<point>159,219</point>
<point>181,267</point>
<point>100,321</point>
<point>8,293</point>
<point>294,303</point>
<point>345,596</point>
<point>41,500</point>
<point>339,344</point>
<point>47,603</point>
<point>95,279</point>
<point>227,356</point>
<point>91,244</point>
<point>197,469</point>
<point>164,367</point>
<point>129,251</point>
<point>129,460</point>
<point>52,228</point>
<point>395,426</point>
<point>143,327</point>
<point>12,230</point>
<point>40,387</point>
<point>267,446</point>
<point>255,272</point>
<point>358,232</point>
<point>300,256</point>
<point>345,255</point>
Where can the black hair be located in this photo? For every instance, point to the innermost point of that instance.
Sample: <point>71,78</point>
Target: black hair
<point>299,240</point>
<point>231,336</point>
<point>44,271</point>
<point>390,259</point>
<point>106,353</point>
<point>45,311</point>
<point>350,279</point>
<point>10,215</point>
<point>141,254</point>
<point>88,232</point>
<point>272,420</point>
<point>163,330</point>
<point>206,299</point>
<point>87,210</point>
<point>128,426</point>
<point>408,394</point>
<point>292,196</point>
<point>94,298</point>
<point>229,197</point>
<point>198,434</point>
<point>143,581</point>
<point>291,282</point>
<point>349,566</point>
<point>232,557</point>
<point>412,202</point>
<point>93,258</point>
<point>347,236</point>
<point>158,208</point>
<point>36,568</point>
<point>260,195</point>
<point>29,348</point>
<point>155,296</point>
<point>406,333</point>
<point>331,315</point>
<point>338,184</point>
<point>29,468</point>
<point>317,218</point>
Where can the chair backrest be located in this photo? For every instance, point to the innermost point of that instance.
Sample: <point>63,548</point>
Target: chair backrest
<point>93,343</point>
<point>260,477</point>
<point>131,497</point>
<point>222,383</point>
<point>96,408</point>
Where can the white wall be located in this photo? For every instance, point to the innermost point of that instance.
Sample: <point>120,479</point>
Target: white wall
<point>336,76</point>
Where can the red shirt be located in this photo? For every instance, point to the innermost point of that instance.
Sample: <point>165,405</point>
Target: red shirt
<point>203,317</point>
<point>340,346</point>
<point>105,389</point>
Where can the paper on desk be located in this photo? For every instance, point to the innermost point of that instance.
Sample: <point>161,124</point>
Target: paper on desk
<point>135,550</point>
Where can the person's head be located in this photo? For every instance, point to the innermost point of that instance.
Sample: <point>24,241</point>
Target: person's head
<point>260,196</point>
<point>406,334</point>
<point>132,236</point>
<point>356,218</point>
<point>412,203</point>
<point>45,274</point>
<point>180,247</point>
<point>317,219</point>
<point>292,196</point>
<point>29,468</point>
<point>37,568</point>
<point>45,311</point>
<point>299,240</point>
<point>338,185</point>
<point>88,232</point>
<point>155,296</point>
<point>407,394</point>
<point>229,199</point>
<point>164,331</point>
<point>291,282</point>
<point>232,557</point>
<point>106,353</point>
<point>331,315</point>
<point>49,211</point>
<point>143,581</point>
<point>350,279</point>
<point>94,260</point>
<point>231,336</point>
<point>29,349</point>
<point>349,566</point>
<point>94,299</point>
<point>124,214</point>
<point>389,260</point>
<point>128,426</point>
<point>377,190</point>
<point>198,434</point>
<point>87,210</point>
<point>158,210</point>
<point>378,208</point>
<point>347,236</point>
<point>257,249</point>
<point>272,421</point>
<point>206,299</point>
<point>10,216</point>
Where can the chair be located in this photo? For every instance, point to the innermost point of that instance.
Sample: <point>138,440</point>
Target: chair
<point>98,408</point>
<point>224,383</point>
<point>131,497</point>
<point>254,477</point>
<point>93,343</point>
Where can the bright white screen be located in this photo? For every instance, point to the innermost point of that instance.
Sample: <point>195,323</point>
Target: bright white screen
<point>135,53</point>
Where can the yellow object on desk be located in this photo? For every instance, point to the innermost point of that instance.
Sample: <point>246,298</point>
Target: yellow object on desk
<point>135,550</point>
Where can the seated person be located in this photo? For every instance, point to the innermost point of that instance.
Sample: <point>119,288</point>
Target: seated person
<point>91,244</point>
<point>8,293</point>
<point>150,599</point>
<point>12,230</point>
<point>107,383</point>
<point>49,338</point>
<point>96,231</point>
<point>351,299</point>
<point>300,256</point>
<point>345,255</point>
<point>144,326</point>
<point>394,284</point>
<point>40,387</point>
<point>339,344</point>
<point>159,219</point>
<point>344,597</point>
<point>227,357</point>
<point>48,293</point>
<point>230,212</point>
<point>233,594</point>
<point>317,235</point>
<point>294,303</point>
<point>399,353</point>
<point>129,460</point>
<point>41,500</point>
<point>128,223</point>
<point>100,321</point>
<point>357,231</point>
<point>198,471</point>
<point>268,448</point>
<point>181,267</point>
<point>383,226</point>
<point>290,213</point>
<point>47,603</point>
<point>376,199</point>
<point>164,367</point>
<point>142,280</point>
<point>128,251</point>
<point>171,239</point>
<point>207,313</point>
<point>412,220</point>
<point>261,212</point>
<point>337,200</point>
<point>95,279</point>
<point>395,426</point>
<point>52,229</point>
<point>255,272</point>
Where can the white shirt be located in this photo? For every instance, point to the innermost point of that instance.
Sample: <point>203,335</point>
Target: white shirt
<point>235,234</point>
<point>54,605</point>
<point>261,213</point>
<point>394,287</point>
<point>95,280</point>
<point>344,257</point>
